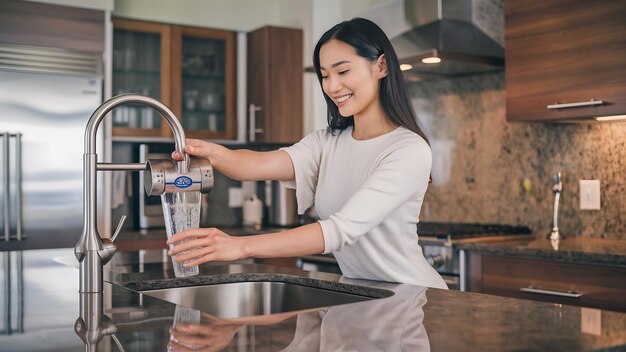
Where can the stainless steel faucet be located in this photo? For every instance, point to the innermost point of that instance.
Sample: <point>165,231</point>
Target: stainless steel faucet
<point>555,235</point>
<point>92,251</point>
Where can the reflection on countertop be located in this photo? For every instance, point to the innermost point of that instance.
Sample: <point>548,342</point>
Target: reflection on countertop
<point>42,305</point>
<point>571,249</point>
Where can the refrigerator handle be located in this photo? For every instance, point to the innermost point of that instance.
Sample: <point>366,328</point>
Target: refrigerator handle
<point>5,185</point>
<point>18,183</point>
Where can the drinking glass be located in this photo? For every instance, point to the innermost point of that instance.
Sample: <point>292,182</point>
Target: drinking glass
<point>181,211</point>
<point>185,315</point>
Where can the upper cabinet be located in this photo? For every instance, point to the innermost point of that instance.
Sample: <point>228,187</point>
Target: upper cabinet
<point>141,64</point>
<point>35,24</point>
<point>191,70</point>
<point>275,79</point>
<point>565,59</point>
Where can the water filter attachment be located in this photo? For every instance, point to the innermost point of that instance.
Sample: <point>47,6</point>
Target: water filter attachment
<point>161,176</point>
<point>252,211</point>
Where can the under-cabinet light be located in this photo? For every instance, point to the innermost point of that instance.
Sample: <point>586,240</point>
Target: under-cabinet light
<point>431,60</point>
<point>611,118</point>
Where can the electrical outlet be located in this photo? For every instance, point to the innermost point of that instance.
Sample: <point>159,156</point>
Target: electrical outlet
<point>590,194</point>
<point>591,321</point>
<point>235,197</point>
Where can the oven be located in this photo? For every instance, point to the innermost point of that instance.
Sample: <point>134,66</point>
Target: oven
<point>440,245</point>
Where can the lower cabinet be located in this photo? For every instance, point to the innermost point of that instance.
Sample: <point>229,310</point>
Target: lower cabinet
<point>585,285</point>
<point>289,262</point>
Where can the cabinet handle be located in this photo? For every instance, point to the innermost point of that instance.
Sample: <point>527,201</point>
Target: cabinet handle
<point>5,191</point>
<point>252,131</point>
<point>18,183</point>
<point>579,104</point>
<point>571,294</point>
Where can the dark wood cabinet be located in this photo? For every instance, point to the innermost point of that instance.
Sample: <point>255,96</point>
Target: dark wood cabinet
<point>585,285</point>
<point>36,24</point>
<point>275,79</point>
<point>565,59</point>
<point>189,69</point>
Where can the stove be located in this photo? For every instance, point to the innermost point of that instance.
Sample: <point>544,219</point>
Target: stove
<point>439,242</point>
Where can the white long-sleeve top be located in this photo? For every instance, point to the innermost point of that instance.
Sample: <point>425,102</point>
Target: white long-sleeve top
<point>368,195</point>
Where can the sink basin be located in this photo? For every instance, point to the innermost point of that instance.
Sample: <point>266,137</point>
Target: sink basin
<point>244,299</point>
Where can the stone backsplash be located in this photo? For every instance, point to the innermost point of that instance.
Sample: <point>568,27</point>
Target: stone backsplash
<point>481,161</point>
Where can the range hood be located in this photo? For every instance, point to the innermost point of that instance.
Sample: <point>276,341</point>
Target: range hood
<point>444,30</point>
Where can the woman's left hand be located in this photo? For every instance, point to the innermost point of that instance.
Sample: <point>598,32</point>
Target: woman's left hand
<point>206,245</point>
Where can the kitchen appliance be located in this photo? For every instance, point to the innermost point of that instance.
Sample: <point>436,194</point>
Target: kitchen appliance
<point>46,98</point>
<point>445,30</point>
<point>439,242</point>
<point>148,209</point>
<point>282,207</point>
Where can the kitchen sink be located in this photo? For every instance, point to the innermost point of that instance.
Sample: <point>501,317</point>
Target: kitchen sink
<point>244,299</point>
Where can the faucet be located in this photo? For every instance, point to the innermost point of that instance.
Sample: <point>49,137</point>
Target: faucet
<point>555,236</point>
<point>92,324</point>
<point>92,251</point>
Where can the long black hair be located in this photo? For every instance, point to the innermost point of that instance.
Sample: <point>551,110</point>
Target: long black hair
<point>370,42</point>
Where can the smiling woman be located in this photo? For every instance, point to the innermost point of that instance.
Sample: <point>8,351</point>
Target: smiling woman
<point>359,52</point>
<point>366,174</point>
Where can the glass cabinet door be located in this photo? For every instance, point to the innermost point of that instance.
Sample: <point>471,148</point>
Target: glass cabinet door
<point>138,68</point>
<point>189,69</point>
<point>206,65</point>
<point>203,84</point>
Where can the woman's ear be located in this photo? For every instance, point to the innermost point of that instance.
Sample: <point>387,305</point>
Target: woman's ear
<point>381,63</point>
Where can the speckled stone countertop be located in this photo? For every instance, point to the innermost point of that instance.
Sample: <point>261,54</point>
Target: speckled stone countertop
<point>572,250</point>
<point>41,312</point>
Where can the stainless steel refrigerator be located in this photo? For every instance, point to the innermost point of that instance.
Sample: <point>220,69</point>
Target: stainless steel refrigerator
<point>43,114</point>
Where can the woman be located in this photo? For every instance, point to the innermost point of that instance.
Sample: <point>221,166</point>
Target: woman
<point>366,174</point>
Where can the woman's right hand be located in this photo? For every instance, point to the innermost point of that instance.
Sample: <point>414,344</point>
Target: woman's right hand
<point>195,147</point>
<point>241,164</point>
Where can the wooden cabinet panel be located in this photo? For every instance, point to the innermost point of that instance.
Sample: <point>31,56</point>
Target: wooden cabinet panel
<point>564,51</point>
<point>275,79</point>
<point>36,24</point>
<point>599,286</point>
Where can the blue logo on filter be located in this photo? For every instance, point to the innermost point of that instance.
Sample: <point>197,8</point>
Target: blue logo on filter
<point>183,182</point>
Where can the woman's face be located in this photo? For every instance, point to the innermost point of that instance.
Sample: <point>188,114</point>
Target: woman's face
<point>351,81</point>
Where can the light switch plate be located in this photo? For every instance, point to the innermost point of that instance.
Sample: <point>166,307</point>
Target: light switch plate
<point>591,321</point>
<point>590,194</point>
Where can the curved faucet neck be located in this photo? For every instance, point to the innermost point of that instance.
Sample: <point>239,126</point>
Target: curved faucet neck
<point>164,111</point>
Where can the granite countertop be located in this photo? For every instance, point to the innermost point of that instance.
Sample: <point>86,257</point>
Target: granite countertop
<point>571,249</point>
<point>41,312</point>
